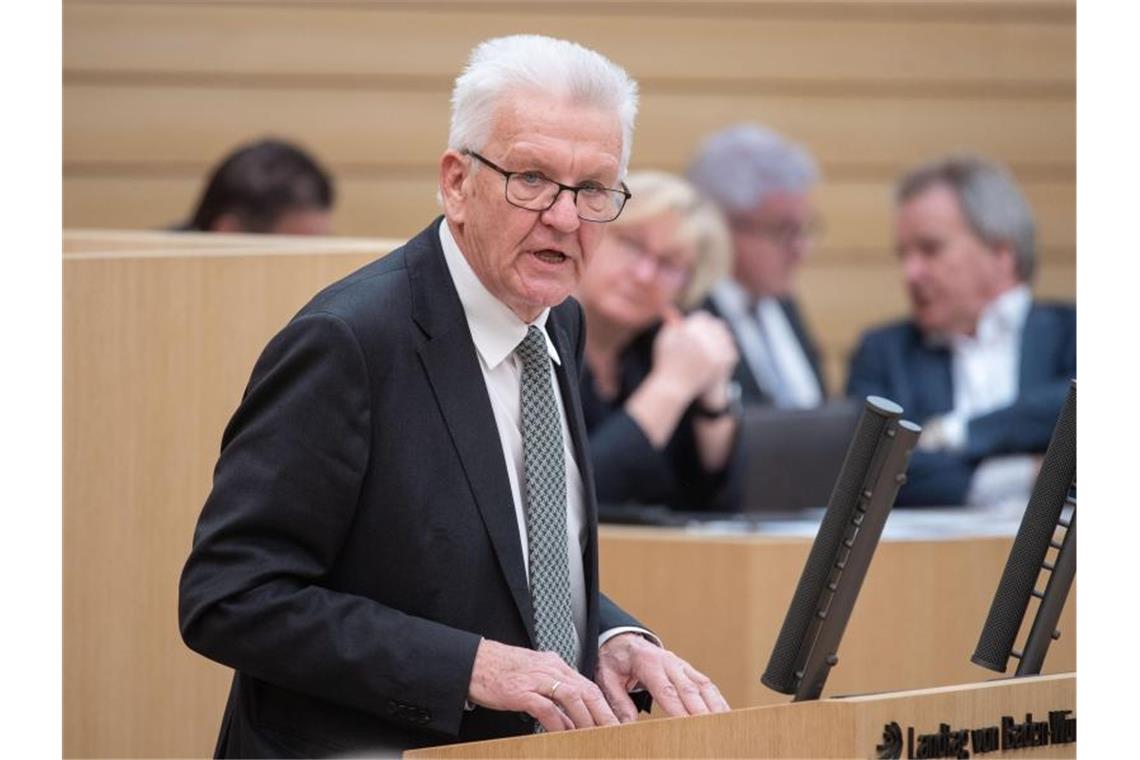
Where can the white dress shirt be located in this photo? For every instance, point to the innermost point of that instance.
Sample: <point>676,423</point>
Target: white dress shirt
<point>768,345</point>
<point>496,332</point>
<point>985,365</point>
<point>985,371</point>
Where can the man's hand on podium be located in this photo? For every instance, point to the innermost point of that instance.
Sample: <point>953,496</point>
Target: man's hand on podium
<point>540,684</point>
<point>629,660</point>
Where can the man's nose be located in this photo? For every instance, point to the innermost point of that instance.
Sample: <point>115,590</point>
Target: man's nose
<point>912,268</point>
<point>563,215</point>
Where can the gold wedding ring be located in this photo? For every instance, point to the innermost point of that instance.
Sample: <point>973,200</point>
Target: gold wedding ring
<point>554,688</point>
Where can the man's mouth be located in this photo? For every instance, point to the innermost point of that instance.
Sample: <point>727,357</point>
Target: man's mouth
<point>550,256</point>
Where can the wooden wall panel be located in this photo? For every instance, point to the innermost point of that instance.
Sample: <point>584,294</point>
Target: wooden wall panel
<point>430,40</point>
<point>378,127</point>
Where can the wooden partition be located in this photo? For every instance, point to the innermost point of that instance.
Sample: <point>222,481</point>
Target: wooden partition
<point>155,93</point>
<point>160,334</point>
<point>719,601</point>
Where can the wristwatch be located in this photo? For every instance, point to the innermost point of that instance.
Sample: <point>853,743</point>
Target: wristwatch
<point>731,405</point>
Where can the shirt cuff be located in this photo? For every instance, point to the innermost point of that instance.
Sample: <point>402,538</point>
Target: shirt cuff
<point>946,432</point>
<point>1003,482</point>
<point>611,632</point>
<point>954,430</point>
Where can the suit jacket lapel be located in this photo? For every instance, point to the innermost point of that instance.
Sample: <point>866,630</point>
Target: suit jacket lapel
<point>933,388</point>
<point>568,384</point>
<point>452,366</point>
<point>1036,338</point>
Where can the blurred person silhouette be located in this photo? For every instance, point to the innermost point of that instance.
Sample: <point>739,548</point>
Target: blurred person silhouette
<point>658,397</point>
<point>982,365</point>
<point>267,186</point>
<point>762,182</point>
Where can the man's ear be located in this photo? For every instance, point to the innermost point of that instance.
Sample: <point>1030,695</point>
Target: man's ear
<point>1007,261</point>
<point>453,186</point>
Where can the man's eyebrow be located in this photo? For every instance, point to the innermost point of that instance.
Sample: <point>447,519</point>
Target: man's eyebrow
<point>529,162</point>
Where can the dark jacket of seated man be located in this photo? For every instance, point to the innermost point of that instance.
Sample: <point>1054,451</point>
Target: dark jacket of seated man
<point>898,362</point>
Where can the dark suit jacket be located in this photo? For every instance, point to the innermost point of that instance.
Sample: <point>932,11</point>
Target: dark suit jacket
<point>628,468</point>
<point>894,361</point>
<point>750,390</point>
<point>361,537</point>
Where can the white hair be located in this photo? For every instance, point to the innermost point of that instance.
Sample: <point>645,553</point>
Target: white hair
<point>739,166</point>
<point>530,62</point>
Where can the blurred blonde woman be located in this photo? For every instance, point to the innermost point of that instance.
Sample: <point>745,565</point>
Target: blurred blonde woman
<point>659,404</point>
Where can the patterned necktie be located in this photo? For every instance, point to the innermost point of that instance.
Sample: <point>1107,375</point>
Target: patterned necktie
<point>545,474</point>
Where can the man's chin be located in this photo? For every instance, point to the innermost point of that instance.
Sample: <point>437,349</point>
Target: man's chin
<point>929,324</point>
<point>535,299</point>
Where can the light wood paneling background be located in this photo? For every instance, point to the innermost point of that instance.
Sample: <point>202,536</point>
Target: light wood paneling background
<point>156,92</point>
<point>160,336</point>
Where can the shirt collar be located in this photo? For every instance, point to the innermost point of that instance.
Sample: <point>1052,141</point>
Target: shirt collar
<point>731,297</point>
<point>495,329</point>
<point>1005,315</point>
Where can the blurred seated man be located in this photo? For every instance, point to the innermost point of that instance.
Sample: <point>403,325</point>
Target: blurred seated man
<point>268,186</point>
<point>982,366</point>
<point>762,183</point>
<point>657,391</point>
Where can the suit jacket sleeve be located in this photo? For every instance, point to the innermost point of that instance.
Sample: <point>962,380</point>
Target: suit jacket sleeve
<point>612,616</point>
<point>866,371</point>
<point>1024,426</point>
<point>934,478</point>
<point>285,490</point>
<point>625,462</point>
<point>1027,424</point>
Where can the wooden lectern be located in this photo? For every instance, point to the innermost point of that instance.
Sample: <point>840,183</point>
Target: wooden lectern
<point>1022,717</point>
<point>1018,718</point>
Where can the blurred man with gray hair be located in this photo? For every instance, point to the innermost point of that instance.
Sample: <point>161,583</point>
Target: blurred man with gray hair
<point>982,366</point>
<point>762,182</point>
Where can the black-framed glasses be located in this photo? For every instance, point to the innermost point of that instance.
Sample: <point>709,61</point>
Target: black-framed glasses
<point>533,191</point>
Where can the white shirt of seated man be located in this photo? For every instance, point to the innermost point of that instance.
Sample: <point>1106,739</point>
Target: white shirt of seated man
<point>984,369</point>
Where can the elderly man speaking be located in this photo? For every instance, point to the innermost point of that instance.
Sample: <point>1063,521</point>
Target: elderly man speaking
<point>400,547</point>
